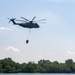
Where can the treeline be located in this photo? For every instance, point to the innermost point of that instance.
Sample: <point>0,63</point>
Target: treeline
<point>7,65</point>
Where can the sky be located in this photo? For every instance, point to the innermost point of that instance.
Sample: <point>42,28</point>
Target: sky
<point>54,40</point>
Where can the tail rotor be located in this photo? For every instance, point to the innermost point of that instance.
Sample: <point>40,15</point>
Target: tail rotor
<point>12,19</point>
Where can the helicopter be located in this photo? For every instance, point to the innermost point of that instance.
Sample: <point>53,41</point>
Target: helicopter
<point>25,23</point>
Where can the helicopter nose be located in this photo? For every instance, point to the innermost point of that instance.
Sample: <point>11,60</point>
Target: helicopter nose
<point>38,26</point>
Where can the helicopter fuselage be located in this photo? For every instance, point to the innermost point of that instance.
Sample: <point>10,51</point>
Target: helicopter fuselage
<point>27,25</point>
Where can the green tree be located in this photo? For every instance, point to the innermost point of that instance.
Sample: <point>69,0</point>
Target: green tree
<point>31,66</point>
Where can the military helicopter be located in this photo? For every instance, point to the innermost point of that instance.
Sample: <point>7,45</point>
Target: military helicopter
<point>27,23</point>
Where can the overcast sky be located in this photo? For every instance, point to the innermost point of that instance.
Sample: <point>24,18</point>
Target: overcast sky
<point>54,40</point>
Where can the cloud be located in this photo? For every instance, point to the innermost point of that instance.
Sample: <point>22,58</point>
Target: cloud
<point>11,48</point>
<point>70,52</point>
<point>45,54</point>
<point>6,28</point>
<point>40,56</point>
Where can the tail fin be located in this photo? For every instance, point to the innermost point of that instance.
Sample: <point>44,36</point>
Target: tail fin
<point>13,21</point>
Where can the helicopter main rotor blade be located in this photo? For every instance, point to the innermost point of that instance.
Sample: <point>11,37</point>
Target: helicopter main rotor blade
<point>40,20</point>
<point>24,18</point>
<point>21,20</point>
<point>33,18</point>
